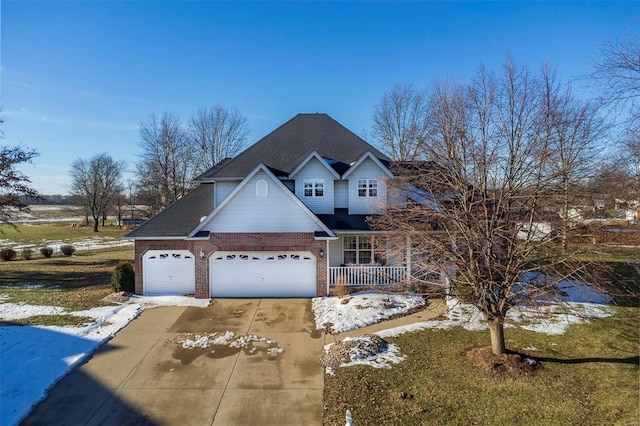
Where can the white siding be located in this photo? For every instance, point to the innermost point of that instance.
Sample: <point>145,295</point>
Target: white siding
<point>341,195</point>
<point>367,205</point>
<point>223,189</point>
<point>316,170</point>
<point>277,212</point>
<point>335,252</point>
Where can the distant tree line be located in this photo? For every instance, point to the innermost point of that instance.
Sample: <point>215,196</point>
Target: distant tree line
<point>171,156</point>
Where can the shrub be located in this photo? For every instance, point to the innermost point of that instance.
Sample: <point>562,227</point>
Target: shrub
<point>123,278</point>
<point>67,249</point>
<point>7,254</point>
<point>26,254</point>
<point>46,252</point>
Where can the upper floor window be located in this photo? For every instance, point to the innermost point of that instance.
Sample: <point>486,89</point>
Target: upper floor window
<point>262,188</point>
<point>367,187</point>
<point>313,187</point>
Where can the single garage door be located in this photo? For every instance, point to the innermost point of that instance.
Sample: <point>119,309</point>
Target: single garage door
<point>263,274</point>
<point>169,272</point>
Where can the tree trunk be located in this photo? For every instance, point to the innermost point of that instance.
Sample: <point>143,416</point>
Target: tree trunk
<point>496,328</point>
<point>96,222</point>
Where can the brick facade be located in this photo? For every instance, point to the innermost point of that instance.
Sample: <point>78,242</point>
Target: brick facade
<point>235,242</point>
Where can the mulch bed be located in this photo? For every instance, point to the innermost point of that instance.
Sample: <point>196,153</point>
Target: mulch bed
<point>503,365</point>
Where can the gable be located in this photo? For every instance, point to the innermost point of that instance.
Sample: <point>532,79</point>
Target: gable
<point>261,204</point>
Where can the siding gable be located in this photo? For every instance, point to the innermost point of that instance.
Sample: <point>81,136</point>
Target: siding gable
<point>249,211</point>
<point>367,169</point>
<point>314,169</point>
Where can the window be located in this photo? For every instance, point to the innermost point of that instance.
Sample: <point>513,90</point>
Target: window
<point>313,187</point>
<point>367,187</point>
<point>363,249</point>
<point>262,188</point>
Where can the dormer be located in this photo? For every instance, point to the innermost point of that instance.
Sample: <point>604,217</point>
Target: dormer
<point>314,183</point>
<point>367,185</point>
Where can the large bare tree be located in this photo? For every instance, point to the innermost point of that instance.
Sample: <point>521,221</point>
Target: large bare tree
<point>96,183</point>
<point>574,132</point>
<point>617,75</point>
<point>217,133</point>
<point>167,161</point>
<point>478,205</point>
<point>399,123</point>
<point>14,185</point>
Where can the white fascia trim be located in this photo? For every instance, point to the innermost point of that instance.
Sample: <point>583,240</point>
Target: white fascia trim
<point>356,232</point>
<point>244,182</point>
<point>153,238</point>
<point>326,238</point>
<point>306,160</point>
<point>360,160</point>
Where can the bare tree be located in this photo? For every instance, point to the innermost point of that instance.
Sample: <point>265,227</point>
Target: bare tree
<point>217,133</point>
<point>14,185</point>
<point>617,75</point>
<point>573,131</point>
<point>96,183</point>
<point>478,205</point>
<point>399,123</point>
<point>167,161</point>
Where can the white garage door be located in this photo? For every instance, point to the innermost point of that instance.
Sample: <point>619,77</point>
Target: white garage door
<point>169,272</point>
<point>262,274</point>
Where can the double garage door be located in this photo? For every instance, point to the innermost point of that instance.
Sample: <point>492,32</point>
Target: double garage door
<point>262,274</point>
<point>233,274</point>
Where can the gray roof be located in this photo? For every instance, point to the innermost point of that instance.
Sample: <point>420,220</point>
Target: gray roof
<point>342,220</point>
<point>290,144</point>
<point>180,218</point>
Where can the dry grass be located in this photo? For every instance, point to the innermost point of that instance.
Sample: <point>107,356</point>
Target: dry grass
<point>75,283</point>
<point>589,376</point>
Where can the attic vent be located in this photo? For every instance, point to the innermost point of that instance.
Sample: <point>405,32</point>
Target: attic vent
<point>262,188</point>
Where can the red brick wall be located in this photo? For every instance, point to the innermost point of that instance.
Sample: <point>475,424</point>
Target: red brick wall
<point>236,242</point>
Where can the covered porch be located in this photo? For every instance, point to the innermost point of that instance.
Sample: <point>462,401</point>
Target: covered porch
<point>368,259</point>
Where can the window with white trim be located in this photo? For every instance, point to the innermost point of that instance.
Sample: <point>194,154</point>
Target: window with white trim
<point>313,187</point>
<point>364,249</point>
<point>367,187</point>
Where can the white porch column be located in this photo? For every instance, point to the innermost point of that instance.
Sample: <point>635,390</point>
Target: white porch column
<point>408,257</point>
<point>326,259</point>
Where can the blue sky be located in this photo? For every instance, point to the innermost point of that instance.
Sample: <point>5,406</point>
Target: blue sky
<point>78,77</point>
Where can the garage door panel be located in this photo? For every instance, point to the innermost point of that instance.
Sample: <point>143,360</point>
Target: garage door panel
<point>263,274</point>
<point>169,272</point>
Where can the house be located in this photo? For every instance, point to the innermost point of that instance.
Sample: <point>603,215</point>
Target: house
<point>284,218</point>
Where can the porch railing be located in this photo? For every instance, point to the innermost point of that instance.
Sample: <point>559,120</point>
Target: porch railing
<point>365,275</point>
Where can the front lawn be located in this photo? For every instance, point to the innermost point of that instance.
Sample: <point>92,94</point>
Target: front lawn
<point>589,376</point>
<point>73,282</point>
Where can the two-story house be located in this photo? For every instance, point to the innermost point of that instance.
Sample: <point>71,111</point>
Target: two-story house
<point>285,218</point>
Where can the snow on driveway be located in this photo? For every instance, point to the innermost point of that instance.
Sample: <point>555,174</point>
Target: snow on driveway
<point>35,358</point>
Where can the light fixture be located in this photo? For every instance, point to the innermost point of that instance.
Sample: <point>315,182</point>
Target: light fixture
<point>321,253</point>
<point>201,254</point>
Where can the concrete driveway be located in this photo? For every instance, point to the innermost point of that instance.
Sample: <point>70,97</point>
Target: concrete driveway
<point>144,376</point>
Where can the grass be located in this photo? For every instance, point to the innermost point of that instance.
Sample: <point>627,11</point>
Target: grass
<point>58,320</point>
<point>589,376</point>
<point>41,234</point>
<point>74,283</point>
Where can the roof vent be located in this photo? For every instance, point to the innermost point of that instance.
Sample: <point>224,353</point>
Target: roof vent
<point>202,219</point>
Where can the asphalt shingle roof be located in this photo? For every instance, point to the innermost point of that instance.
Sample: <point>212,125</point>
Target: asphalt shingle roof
<point>181,217</point>
<point>287,146</point>
<point>342,220</point>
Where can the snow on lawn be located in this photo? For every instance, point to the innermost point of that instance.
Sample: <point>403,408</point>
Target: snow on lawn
<point>552,319</point>
<point>361,309</point>
<point>35,358</point>
<point>366,308</point>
